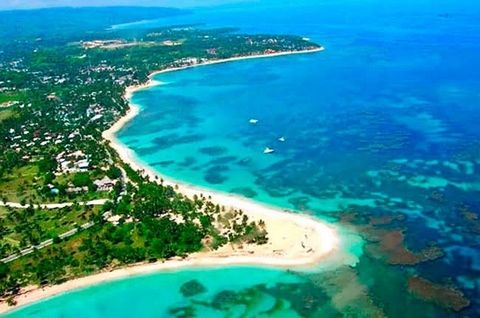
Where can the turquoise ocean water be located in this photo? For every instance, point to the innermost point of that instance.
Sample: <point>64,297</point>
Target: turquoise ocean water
<point>381,137</point>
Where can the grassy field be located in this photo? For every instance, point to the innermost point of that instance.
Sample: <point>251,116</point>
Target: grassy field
<point>6,113</point>
<point>19,184</point>
<point>13,96</point>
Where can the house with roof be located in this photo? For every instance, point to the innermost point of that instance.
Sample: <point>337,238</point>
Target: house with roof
<point>105,184</point>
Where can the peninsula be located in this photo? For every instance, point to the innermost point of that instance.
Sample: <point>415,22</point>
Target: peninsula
<point>56,155</point>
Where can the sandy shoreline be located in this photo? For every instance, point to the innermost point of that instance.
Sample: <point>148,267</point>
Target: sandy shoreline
<point>239,58</point>
<point>295,240</point>
<point>130,90</point>
<point>308,240</point>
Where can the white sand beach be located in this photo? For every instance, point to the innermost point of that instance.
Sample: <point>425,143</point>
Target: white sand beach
<point>294,240</point>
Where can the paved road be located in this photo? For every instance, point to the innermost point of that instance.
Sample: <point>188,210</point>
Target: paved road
<point>52,205</point>
<point>67,234</point>
<point>46,243</point>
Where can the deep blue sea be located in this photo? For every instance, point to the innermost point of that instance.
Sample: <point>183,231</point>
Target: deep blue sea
<point>381,136</point>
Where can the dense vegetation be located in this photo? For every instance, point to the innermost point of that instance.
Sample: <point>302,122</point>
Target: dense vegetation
<point>60,87</point>
<point>152,223</point>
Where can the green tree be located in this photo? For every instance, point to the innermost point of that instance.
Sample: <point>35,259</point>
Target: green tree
<point>82,179</point>
<point>47,165</point>
<point>114,172</point>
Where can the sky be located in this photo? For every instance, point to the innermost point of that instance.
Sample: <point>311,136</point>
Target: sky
<point>27,4</point>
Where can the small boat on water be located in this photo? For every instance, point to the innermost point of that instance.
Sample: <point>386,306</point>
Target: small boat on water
<point>268,150</point>
<point>253,121</point>
<point>282,139</point>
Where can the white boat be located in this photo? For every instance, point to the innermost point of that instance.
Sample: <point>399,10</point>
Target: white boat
<point>268,150</point>
<point>253,121</point>
<point>282,139</point>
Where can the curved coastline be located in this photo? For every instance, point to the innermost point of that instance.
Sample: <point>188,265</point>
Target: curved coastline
<point>323,235</point>
<point>326,234</point>
<point>308,243</point>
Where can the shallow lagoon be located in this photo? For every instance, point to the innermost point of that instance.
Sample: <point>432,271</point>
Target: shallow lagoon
<point>162,295</point>
<point>380,133</point>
